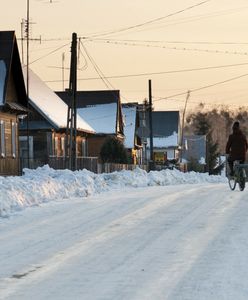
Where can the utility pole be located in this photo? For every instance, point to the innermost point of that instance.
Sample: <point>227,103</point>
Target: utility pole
<point>183,120</point>
<point>63,71</point>
<point>22,38</point>
<point>71,130</point>
<point>27,80</point>
<point>151,162</point>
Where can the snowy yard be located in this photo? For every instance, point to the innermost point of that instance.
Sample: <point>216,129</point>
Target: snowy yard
<point>125,235</point>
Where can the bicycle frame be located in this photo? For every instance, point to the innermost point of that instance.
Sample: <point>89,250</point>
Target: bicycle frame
<point>239,177</point>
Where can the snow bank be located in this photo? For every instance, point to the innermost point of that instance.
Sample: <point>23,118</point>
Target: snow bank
<point>46,184</point>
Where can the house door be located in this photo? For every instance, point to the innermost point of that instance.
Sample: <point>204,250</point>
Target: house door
<point>23,144</point>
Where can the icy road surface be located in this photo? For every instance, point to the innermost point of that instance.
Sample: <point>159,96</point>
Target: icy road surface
<point>172,242</point>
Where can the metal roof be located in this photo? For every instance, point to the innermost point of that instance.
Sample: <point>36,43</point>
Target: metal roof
<point>87,98</point>
<point>164,123</point>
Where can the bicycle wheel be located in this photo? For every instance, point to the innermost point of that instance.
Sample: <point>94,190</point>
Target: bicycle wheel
<point>232,183</point>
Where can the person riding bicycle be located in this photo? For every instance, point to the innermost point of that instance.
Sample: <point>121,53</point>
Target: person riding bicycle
<point>236,146</point>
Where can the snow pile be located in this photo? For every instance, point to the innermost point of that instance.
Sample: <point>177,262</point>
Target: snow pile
<point>46,184</point>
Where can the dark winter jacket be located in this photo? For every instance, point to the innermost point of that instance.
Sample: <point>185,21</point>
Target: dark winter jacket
<point>236,145</point>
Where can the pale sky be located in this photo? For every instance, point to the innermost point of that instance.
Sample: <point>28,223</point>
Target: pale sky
<point>188,34</point>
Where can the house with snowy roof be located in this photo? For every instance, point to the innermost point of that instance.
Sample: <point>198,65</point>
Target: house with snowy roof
<point>194,150</point>
<point>13,102</point>
<point>132,140</point>
<point>166,130</point>
<point>102,110</point>
<point>47,124</point>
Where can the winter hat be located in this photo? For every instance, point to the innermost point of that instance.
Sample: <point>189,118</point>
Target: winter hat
<point>235,125</point>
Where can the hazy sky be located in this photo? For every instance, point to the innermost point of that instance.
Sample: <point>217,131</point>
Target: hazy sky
<point>176,35</point>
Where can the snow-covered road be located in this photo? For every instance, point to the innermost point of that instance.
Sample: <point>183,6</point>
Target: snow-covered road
<point>171,242</point>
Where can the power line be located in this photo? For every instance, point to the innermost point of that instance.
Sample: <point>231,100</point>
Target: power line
<point>118,42</point>
<point>97,69</point>
<point>204,102</point>
<point>159,73</point>
<point>217,13</point>
<point>57,49</point>
<point>147,22</point>
<point>171,42</point>
<point>191,19</point>
<point>100,73</point>
<point>205,87</point>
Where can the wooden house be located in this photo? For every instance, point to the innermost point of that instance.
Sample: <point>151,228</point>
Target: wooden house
<point>194,150</point>
<point>13,102</point>
<point>166,140</point>
<point>132,141</point>
<point>46,127</point>
<point>102,110</point>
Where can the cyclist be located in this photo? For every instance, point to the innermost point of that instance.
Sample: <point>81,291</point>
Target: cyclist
<point>236,146</point>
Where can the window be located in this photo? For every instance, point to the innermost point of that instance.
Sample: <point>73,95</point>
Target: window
<point>23,142</point>
<point>13,138</point>
<point>50,144</point>
<point>62,146</point>
<point>84,148</point>
<point>2,145</point>
<point>56,144</point>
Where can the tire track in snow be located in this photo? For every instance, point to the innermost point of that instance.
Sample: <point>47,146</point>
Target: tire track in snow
<point>107,233</point>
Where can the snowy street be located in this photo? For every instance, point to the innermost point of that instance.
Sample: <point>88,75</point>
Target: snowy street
<point>186,241</point>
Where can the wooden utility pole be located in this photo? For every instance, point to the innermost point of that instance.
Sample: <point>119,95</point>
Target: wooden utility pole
<point>183,120</point>
<point>151,163</point>
<point>71,131</point>
<point>27,81</point>
<point>63,71</point>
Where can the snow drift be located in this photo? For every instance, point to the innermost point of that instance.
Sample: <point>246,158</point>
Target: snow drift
<point>45,184</point>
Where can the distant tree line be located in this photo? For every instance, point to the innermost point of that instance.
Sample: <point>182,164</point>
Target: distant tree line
<point>216,124</point>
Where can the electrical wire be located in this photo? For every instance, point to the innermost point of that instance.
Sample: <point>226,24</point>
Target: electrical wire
<point>148,22</point>
<point>97,69</point>
<point>116,42</point>
<point>172,42</point>
<point>159,73</point>
<point>205,87</point>
<point>100,73</point>
<point>48,54</point>
<point>189,19</point>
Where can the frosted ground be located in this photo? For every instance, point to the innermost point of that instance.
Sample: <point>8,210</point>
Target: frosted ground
<point>125,235</point>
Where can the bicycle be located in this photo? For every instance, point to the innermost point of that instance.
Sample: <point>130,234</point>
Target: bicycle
<point>239,176</point>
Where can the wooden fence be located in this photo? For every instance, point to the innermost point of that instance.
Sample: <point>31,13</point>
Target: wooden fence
<point>9,166</point>
<point>89,163</point>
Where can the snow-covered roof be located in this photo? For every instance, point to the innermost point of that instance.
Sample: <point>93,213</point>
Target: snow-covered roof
<point>52,107</point>
<point>164,142</point>
<point>129,114</point>
<point>2,80</point>
<point>101,117</point>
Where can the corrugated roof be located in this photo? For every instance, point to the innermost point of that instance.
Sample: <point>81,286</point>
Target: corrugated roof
<point>16,107</point>
<point>101,117</point>
<point>164,123</point>
<point>86,98</point>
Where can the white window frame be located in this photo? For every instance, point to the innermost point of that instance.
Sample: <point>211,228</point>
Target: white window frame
<point>2,137</point>
<point>13,138</point>
<point>63,146</point>
<point>56,144</point>
<point>84,147</point>
<point>31,144</point>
